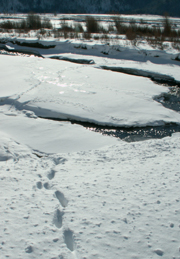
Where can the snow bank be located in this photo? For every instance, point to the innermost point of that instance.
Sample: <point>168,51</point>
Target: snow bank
<point>49,136</point>
<point>4,151</point>
<point>11,149</point>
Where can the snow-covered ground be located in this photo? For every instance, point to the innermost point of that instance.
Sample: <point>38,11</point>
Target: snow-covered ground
<point>119,201</point>
<point>67,192</point>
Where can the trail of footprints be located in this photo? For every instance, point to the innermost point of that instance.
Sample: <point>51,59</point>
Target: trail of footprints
<point>58,216</point>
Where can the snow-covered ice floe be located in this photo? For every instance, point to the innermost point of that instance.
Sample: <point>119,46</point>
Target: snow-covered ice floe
<point>64,90</point>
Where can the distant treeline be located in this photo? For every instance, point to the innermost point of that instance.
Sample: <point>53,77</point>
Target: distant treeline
<point>172,7</point>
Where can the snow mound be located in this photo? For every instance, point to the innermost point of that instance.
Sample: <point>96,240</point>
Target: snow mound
<point>5,153</point>
<point>10,149</point>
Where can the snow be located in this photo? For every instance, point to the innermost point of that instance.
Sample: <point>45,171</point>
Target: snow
<point>54,138</point>
<point>59,89</point>
<point>122,201</point>
<point>69,193</point>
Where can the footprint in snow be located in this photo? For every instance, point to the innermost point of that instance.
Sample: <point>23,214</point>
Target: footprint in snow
<point>60,196</point>
<point>47,186</point>
<point>29,249</point>
<point>69,239</point>
<point>58,218</point>
<point>51,174</point>
<point>39,185</point>
<point>59,160</point>
<point>159,252</point>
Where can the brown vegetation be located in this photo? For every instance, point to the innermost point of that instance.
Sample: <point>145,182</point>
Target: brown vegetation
<point>134,31</point>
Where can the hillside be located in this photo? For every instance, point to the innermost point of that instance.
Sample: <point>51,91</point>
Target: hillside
<point>92,6</point>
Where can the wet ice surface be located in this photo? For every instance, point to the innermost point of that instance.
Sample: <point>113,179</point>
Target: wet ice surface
<point>139,134</point>
<point>171,100</point>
